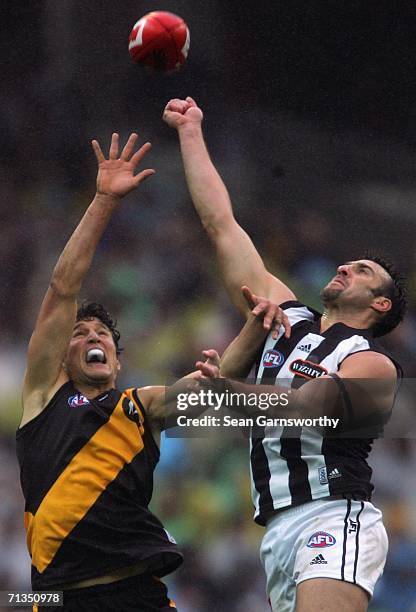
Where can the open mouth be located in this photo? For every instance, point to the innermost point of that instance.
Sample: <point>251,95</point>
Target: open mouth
<point>96,355</point>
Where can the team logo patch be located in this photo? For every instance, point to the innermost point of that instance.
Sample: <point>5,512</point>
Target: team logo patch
<point>273,359</point>
<point>77,400</point>
<point>307,369</point>
<point>131,411</point>
<point>321,539</point>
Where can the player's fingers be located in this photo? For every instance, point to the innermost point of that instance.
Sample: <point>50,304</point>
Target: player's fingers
<point>143,175</point>
<point>269,316</point>
<point>138,156</point>
<point>286,324</point>
<point>129,146</point>
<point>261,307</point>
<point>114,146</point>
<point>210,371</point>
<point>97,150</point>
<point>177,106</point>
<point>249,296</point>
<point>212,356</point>
<point>191,101</point>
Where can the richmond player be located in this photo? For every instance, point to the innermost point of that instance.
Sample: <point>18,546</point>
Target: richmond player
<point>87,451</point>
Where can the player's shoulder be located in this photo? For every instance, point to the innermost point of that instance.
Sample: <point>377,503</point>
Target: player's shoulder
<point>298,311</point>
<point>144,396</point>
<point>371,353</point>
<point>370,363</point>
<point>39,402</point>
<point>149,401</point>
<point>384,356</point>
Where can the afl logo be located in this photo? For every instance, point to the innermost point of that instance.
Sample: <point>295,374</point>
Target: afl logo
<point>321,539</point>
<point>272,359</point>
<point>78,400</point>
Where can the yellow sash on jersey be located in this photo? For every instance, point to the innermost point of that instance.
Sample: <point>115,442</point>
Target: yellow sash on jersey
<point>82,481</point>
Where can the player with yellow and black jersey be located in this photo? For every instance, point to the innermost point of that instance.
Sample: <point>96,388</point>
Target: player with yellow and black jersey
<point>87,451</point>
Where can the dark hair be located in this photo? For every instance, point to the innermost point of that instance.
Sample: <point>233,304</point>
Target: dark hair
<point>91,310</point>
<point>395,289</point>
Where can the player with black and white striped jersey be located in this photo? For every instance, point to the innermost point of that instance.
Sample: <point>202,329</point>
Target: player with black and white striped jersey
<point>311,491</point>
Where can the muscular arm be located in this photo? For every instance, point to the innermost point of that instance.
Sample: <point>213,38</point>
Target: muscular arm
<point>161,402</point>
<point>239,261</point>
<point>363,393</point>
<point>49,341</point>
<point>241,354</point>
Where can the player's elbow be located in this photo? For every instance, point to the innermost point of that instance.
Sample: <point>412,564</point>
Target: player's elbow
<point>62,289</point>
<point>218,225</point>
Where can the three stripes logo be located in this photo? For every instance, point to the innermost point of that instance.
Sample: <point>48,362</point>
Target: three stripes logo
<point>319,560</point>
<point>334,473</point>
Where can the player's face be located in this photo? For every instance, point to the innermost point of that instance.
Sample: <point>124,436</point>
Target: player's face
<point>355,284</point>
<point>91,357</point>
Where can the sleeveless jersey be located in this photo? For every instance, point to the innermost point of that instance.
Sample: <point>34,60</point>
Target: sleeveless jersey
<point>87,478</point>
<point>292,467</point>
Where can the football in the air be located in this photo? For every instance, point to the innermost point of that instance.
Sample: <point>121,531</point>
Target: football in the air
<point>159,40</point>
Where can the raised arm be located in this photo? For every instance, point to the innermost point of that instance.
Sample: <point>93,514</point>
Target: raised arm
<point>242,353</point>
<point>55,322</point>
<point>239,261</point>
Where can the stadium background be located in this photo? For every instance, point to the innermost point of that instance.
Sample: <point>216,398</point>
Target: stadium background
<point>311,117</point>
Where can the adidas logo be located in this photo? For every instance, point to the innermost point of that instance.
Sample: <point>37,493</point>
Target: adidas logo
<point>334,473</point>
<point>319,560</point>
<point>305,347</point>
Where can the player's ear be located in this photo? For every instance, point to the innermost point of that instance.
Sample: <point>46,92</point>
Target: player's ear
<point>118,366</point>
<point>381,304</point>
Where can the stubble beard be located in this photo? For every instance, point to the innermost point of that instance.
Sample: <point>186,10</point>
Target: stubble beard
<point>329,295</point>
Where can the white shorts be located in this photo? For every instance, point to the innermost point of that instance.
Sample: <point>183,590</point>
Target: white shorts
<point>325,538</point>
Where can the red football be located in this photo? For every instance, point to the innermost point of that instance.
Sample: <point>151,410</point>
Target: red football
<point>160,40</point>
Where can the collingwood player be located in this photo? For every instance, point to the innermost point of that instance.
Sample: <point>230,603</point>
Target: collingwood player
<point>87,451</point>
<point>325,544</point>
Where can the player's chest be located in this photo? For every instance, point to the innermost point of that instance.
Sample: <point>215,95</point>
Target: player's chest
<point>304,355</point>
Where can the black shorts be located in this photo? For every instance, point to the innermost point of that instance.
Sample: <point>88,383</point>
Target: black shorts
<point>142,593</point>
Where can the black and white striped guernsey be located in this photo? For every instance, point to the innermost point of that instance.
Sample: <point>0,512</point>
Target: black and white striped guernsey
<point>287,471</point>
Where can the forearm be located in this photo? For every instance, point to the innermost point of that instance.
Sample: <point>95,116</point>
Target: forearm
<point>207,189</point>
<point>165,404</point>
<point>316,399</point>
<point>76,258</point>
<point>239,357</point>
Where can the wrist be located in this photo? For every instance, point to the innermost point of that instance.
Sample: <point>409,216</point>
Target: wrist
<point>106,199</point>
<point>254,324</point>
<point>190,128</point>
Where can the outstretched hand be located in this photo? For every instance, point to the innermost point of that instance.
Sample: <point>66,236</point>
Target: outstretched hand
<point>178,113</point>
<point>210,368</point>
<point>116,176</point>
<point>273,316</point>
